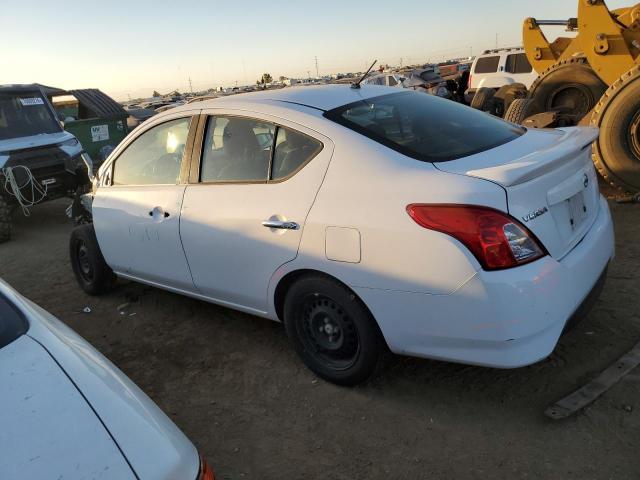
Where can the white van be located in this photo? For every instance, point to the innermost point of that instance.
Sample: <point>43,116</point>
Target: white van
<point>496,68</point>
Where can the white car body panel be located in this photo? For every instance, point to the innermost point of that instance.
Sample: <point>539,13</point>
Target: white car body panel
<point>231,254</point>
<point>428,293</point>
<point>139,244</point>
<point>46,422</point>
<point>154,447</point>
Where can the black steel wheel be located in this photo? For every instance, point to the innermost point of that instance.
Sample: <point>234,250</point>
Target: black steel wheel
<point>331,330</point>
<point>89,267</point>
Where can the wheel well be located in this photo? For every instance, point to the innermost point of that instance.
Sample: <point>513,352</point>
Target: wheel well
<point>290,278</point>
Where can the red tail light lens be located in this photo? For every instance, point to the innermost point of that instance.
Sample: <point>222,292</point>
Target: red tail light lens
<point>206,472</point>
<point>497,240</point>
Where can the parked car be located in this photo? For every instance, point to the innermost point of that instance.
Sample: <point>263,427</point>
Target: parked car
<point>67,412</point>
<point>496,68</point>
<point>375,218</point>
<point>39,161</point>
<point>425,80</point>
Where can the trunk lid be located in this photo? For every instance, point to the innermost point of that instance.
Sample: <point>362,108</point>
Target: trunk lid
<point>551,184</point>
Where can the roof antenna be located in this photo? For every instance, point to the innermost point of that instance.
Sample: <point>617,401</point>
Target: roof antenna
<point>357,84</point>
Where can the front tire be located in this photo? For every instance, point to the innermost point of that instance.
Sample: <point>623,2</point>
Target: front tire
<point>332,331</point>
<point>92,273</point>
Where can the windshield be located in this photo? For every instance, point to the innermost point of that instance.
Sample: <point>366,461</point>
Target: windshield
<point>12,324</point>
<point>25,114</point>
<point>425,127</point>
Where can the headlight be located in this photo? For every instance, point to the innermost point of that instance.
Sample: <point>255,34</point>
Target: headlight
<point>443,92</point>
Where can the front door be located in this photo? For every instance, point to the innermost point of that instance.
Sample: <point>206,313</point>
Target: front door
<point>137,215</point>
<point>243,216</point>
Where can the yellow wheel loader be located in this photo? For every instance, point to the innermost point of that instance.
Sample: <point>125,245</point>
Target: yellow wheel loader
<point>592,79</point>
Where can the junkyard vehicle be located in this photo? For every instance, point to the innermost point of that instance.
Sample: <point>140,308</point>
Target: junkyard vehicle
<point>67,412</point>
<point>39,161</point>
<point>425,80</point>
<point>362,224</point>
<point>497,68</point>
<point>592,78</point>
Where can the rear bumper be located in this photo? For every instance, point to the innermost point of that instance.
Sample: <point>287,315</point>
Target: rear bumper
<point>503,319</point>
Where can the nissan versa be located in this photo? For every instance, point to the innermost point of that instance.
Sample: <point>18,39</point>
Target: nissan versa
<point>362,218</point>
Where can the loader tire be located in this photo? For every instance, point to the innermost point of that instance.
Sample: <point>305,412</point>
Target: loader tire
<point>518,111</point>
<point>570,87</point>
<point>5,220</point>
<point>616,152</point>
<point>483,99</point>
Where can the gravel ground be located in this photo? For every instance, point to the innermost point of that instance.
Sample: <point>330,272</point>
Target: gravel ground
<point>234,386</point>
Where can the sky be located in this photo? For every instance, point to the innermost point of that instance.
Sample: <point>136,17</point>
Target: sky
<point>131,48</point>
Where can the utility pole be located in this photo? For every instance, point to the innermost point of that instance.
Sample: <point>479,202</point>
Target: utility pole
<point>496,41</point>
<point>317,71</point>
<point>400,62</point>
<point>190,85</point>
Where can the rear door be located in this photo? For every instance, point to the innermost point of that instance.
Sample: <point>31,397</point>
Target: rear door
<point>136,210</point>
<point>245,207</point>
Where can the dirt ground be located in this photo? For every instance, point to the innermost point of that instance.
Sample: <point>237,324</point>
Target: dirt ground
<point>234,386</point>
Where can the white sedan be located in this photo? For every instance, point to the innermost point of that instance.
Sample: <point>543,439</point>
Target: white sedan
<point>67,412</point>
<point>362,218</point>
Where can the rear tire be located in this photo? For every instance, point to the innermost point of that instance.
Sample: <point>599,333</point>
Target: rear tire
<point>332,331</point>
<point>5,221</point>
<point>505,96</point>
<point>92,273</point>
<point>483,99</point>
<point>616,153</point>
<point>570,87</point>
<point>518,111</point>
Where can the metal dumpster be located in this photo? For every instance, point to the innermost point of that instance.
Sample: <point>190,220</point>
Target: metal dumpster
<point>96,120</point>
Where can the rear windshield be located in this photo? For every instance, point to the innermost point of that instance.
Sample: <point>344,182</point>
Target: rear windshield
<point>25,114</point>
<point>12,324</point>
<point>424,126</point>
<point>487,65</point>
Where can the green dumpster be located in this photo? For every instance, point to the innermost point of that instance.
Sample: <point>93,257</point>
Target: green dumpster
<point>96,120</point>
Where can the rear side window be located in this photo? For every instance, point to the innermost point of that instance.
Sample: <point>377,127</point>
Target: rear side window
<point>293,151</point>
<point>425,127</point>
<point>518,63</point>
<point>237,150</point>
<point>12,323</point>
<point>487,65</point>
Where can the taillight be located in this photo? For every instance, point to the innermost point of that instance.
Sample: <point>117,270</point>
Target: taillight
<point>497,240</point>
<point>206,472</point>
<point>469,84</point>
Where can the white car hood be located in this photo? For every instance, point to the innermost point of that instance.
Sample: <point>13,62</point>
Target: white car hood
<point>153,445</point>
<point>48,429</point>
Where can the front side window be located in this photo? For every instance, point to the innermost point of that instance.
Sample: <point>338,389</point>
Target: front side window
<point>155,157</point>
<point>425,127</point>
<point>237,150</point>
<point>518,63</point>
<point>487,65</point>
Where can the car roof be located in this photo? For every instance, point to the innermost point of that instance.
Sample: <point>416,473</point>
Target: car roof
<point>320,97</point>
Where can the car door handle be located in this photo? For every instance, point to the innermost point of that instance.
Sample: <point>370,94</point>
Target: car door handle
<point>166,214</point>
<point>281,225</point>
